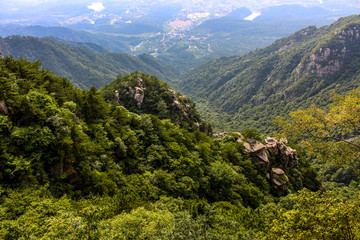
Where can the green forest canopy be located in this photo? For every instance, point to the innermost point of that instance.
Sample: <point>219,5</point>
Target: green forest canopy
<point>74,166</point>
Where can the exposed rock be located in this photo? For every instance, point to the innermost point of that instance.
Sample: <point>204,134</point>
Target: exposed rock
<point>272,158</point>
<point>270,142</point>
<point>279,178</point>
<point>140,82</point>
<point>322,65</point>
<point>258,151</point>
<point>172,91</point>
<point>139,96</point>
<point>176,103</point>
<point>327,61</point>
<point>287,155</point>
<point>348,34</point>
<point>3,109</point>
<point>277,171</point>
<point>222,134</point>
<point>285,47</point>
<point>138,93</point>
<point>131,91</point>
<point>117,96</point>
<point>181,106</point>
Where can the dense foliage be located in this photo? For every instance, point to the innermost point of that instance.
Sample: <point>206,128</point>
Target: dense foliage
<point>158,99</point>
<point>332,134</point>
<point>74,166</point>
<point>250,91</point>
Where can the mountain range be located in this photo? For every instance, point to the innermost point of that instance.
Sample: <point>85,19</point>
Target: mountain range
<point>234,92</point>
<point>183,37</point>
<point>292,73</point>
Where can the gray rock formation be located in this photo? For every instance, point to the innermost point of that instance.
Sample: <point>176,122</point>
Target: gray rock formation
<point>280,150</point>
<point>257,151</point>
<point>279,178</point>
<point>137,93</point>
<point>329,60</point>
<point>139,96</point>
<point>117,96</point>
<point>182,107</point>
<point>272,158</point>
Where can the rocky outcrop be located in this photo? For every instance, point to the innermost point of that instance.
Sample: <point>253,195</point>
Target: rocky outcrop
<point>329,60</point>
<point>349,34</point>
<point>3,109</point>
<point>278,177</point>
<point>273,158</point>
<point>257,151</point>
<point>139,96</point>
<point>181,106</point>
<point>137,93</point>
<point>324,62</point>
<point>297,37</point>
<point>287,155</point>
<point>285,47</point>
<point>117,96</point>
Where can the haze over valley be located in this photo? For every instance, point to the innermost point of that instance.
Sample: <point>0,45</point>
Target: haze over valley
<point>195,31</point>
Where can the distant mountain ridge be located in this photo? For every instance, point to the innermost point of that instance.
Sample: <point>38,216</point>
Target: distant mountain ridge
<point>293,72</point>
<point>112,43</point>
<point>83,67</point>
<point>185,38</point>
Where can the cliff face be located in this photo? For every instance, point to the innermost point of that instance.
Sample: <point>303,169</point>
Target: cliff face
<point>331,58</point>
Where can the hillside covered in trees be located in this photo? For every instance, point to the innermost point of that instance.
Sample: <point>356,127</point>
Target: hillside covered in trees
<point>84,64</point>
<point>78,164</point>
<point>251,90</point>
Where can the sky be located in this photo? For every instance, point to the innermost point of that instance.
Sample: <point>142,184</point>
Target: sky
<point>25,3</point>
<point>36,7</point>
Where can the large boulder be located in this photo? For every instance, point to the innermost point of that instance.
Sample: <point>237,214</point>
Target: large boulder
<point>272,158</point>
<point>278,149</point>
<point>139,96</point>
<point>279,178</point>
<point>258,151</point>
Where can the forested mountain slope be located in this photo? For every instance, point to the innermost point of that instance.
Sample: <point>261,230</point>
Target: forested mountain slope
<point>292,73</point>
<point>82,67</point>
<point>86,45</point>
<point>141,93</point>
<point>83,168</point>
<point>117,44</point>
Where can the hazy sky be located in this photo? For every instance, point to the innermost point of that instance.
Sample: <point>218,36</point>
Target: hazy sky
<point>41,6</point>
<point>20,3</point>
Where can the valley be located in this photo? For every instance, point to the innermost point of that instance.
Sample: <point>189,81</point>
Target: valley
<point>292,73</point>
